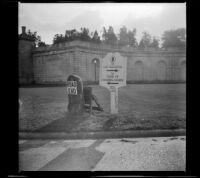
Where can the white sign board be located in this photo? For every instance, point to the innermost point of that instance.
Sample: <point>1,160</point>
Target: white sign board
<point>71,87</point>
<point>112,76</point>
<point>113,71</point>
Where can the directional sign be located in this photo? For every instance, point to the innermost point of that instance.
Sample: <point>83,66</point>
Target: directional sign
<point>113,76</point>
<point>113,71</point>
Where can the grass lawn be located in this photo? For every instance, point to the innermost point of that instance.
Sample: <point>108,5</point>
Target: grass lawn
<point>141,106</point>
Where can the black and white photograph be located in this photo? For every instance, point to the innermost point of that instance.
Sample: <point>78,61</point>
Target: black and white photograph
<point>102,86</point>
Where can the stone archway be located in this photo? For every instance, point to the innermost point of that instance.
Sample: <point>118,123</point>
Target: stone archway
<point>161,70</point>
<point>95,69</point>
<point>183,71</point>
<point>139,71</point>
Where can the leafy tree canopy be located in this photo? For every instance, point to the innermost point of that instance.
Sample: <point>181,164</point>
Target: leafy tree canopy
<point>148,41</point>
<point>174,38</point>
<point>127,37</point>
<point>154,43</point>
<point>170,38</point>
<point>33,36</point>
<point>145,40</point>
<point>109,36</point>
<point>96,37</point>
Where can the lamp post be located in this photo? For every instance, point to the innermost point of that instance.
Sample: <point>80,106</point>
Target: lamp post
<point>95,69</point>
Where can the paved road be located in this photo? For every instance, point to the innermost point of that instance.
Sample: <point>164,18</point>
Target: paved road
<point>124,154</point>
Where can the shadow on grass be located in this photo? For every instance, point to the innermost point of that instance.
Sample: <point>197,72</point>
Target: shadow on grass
<point>65,124</point>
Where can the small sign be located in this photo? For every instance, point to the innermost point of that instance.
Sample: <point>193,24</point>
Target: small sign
<point>113,76</point>
<point>71,87</point>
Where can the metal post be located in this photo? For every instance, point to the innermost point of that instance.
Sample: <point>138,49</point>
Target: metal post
<point>95,69</point>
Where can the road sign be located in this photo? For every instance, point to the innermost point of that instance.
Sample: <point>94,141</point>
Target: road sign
<point>113,76</point>
<point>71,87</point>
<point>113,71</point>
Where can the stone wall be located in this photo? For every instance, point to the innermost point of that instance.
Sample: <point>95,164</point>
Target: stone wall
<point>25,61</point>
<point>54,63</point>
<point>53,67</point>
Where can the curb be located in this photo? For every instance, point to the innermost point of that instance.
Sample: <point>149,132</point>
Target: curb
<point>102,134</point>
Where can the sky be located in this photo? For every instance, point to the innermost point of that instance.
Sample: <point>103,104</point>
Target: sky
<point>49,19</point>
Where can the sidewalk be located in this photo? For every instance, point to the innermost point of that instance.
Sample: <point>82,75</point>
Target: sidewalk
<point>102,134</point>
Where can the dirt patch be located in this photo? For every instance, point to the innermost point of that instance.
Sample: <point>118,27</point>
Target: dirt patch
<point>173,138</point>
<point>92,123</point>
<point>109,123</point>
<point>154,140</point>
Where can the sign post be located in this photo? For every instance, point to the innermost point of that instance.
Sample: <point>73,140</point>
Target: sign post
<point>113,76</point>
<point>114,101</point>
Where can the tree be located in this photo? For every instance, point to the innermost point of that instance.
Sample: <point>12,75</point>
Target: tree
<point>41,44</point>
<point>127,37</point>
<point>71,35</point>
<point>104,35</point>
<point>146,38</point>
<point>58,38</point>
<point>67,35</point>
<point>112,38</point>
<point>84,35</point>
<point>155,43</point>
<point>36,38</point>
<point>109,36</point>
<point>147,41</point>
<point>132,41</point>
<point>95,37</point>
<point>123,36</point>
<point>174,38</point>
<point>141,44</point>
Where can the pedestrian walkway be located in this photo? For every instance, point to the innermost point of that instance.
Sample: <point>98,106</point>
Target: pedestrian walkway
<point>124,154</point>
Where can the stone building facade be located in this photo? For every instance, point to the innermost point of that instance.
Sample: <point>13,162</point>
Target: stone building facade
<point>25,58</point>
<point>53,64</point>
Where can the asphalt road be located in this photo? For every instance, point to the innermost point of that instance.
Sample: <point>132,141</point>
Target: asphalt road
<point>124,154</point>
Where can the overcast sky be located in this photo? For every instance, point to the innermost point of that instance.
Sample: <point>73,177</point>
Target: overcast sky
<point>50,19</point>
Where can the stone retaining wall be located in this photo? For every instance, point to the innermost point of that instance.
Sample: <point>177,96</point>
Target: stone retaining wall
<point>56,62</point>
<point>53,64</point>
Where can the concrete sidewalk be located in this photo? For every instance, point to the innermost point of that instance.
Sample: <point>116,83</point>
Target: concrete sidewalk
<point>116,154</point>
<point>102,134</point>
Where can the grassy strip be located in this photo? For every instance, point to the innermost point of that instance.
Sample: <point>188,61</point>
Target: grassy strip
<point>140,107</point>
